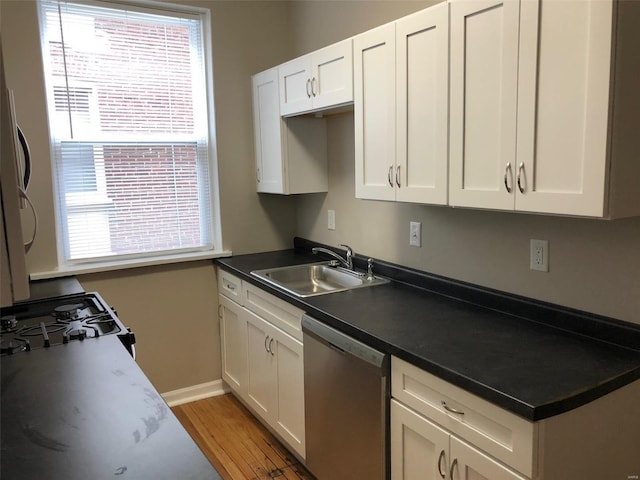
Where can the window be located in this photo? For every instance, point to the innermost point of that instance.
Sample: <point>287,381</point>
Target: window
<point>127,96</point>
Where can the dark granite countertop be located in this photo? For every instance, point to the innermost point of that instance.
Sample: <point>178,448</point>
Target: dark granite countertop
<point>534,359</point>
<point>85,410</point>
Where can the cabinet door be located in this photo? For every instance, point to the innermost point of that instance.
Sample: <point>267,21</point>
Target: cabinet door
<point>422,76</point>
<point>483,82</point>
<point>268,128</point>
<point>261,376</point>
<point>419,448</point>
<point>295,86</point>
<point>289,386</point>
<point>332,75</point>
<point>233,335</point>
<point>563,102</point>
<point>470,464</point>
<point>374,112</point>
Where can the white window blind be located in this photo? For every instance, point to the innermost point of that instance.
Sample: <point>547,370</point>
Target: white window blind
<point>128,119</point>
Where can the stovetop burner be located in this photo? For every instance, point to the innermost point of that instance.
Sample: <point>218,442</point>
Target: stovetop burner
<point>57,321</point>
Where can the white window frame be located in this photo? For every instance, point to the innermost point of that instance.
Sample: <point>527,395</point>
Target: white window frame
<point>152,258</point>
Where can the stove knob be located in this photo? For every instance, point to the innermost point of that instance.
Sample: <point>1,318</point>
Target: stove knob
<point>65,338</point>
<point>27,346</point>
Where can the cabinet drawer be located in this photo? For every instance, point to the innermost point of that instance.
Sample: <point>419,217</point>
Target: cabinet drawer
<point>500,433</point>
<point>283,315</point>
<point>230,286</point>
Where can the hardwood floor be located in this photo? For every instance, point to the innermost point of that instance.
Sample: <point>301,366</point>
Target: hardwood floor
<point>236,443</point>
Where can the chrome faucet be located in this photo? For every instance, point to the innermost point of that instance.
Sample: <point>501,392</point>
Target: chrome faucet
<point>347,262</point>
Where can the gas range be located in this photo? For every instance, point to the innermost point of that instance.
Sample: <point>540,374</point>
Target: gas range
<point>57,321</point>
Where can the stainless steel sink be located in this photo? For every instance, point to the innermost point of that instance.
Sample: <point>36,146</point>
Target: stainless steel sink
<point>316,279</point>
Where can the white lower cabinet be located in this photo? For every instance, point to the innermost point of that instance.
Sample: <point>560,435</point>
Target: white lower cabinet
<point>275,379</point>
<point>261,362</point>
<point>421,450</point>
<point>233,337</point>
<point>442,432</point>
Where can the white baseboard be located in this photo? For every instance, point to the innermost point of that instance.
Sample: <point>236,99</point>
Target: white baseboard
<point>195,392</point>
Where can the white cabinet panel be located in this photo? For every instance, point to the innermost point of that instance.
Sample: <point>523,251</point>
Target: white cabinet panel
<point>563,105</point>
<point>332,81</point>
<point>374,113</point>
<point>268,133</point>
<point>261,394</point>
<point>484,74</point>
<point>275,384</point>
<point>419,448</point>
<point>295,86</point>
<point>233,336</point>
<point>422,76</point>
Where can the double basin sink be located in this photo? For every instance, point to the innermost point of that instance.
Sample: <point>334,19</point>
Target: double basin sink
<point>320,278</point>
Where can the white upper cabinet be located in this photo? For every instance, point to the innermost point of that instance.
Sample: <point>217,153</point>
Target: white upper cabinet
<point>422,82</point>
<point>539,100</point>
<point>400,114</point>
<point>563,106</point>
<point>375,113</point>
<point>320,80</point>
<point>291,154</point>
<point>484,74</point>
<point>267,131</point>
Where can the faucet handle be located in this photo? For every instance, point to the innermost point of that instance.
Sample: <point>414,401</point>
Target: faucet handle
<point>349,253</point>
<point>370,275</point>
<point>347,248</point>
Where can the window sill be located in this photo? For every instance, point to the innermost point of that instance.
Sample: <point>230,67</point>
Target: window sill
<point>127,264</point>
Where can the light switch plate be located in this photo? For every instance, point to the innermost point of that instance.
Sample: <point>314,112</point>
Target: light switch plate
<point>415,234</point>
<point>331,219</point>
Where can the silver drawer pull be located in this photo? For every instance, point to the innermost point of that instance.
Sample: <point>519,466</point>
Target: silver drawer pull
<point>450,409</point>
<point>520,170</point>
<point>266,339</point>
<point>507,172</point>
<point>440,458</point>
<point>389,174</point>
<point>453,466</point>
<point>231,287</point>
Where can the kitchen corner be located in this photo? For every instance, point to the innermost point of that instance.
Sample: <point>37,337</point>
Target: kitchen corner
<point>82,407</point>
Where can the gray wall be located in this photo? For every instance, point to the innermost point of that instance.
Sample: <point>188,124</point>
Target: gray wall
<point>594,264</point>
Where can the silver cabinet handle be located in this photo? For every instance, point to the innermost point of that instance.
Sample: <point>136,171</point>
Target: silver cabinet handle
<point>440,458</point>
<point>220,311</point>
<point>265,343</point>
<point>398,176</point>
<point>258,175</point>
<point>453,466</point>
<point>308,85</point>
<point>520,170</point>
<point>450,409</point>
<point>507,171</point>
<point>271,347</point>
<point>230,286</point>
<point>389,176</point>
<point>313,86</point>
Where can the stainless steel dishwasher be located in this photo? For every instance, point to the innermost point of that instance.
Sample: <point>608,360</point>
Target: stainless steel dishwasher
<point>346,396</point>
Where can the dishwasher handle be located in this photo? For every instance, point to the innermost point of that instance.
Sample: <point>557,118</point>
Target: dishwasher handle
<point>345,344</point>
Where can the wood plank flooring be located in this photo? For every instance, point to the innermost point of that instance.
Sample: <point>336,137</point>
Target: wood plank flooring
<point>237,445</point>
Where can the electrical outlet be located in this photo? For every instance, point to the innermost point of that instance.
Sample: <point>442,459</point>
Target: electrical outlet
<point>331,219</point>
<point>539,255</point>
<point>415,234</point>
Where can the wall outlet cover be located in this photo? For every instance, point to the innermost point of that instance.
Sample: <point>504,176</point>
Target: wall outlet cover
<point>539,255</point>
